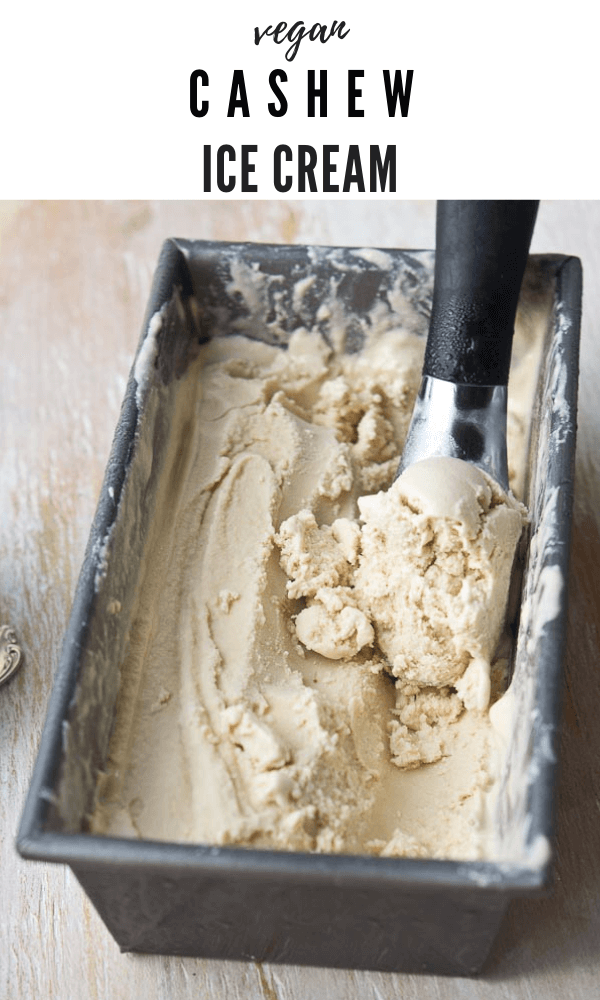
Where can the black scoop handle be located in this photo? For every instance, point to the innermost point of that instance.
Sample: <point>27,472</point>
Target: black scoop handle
<point>480,257</point>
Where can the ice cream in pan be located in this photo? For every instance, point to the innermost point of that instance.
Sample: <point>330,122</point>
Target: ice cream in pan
<point>316,642</point>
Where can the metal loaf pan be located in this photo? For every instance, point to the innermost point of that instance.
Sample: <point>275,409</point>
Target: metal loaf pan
<point>392,914</point>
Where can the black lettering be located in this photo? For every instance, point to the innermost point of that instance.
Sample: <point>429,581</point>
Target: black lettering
<point>381,170</point>
<point>297,32</point>
<point>222,184</point>
<point>321,93</point>
<point>295,36</point>
<point>258,34</point>
<point>338,27</point>
<point>306,170</point>
<point>274,77</point>
<point>207,178</point>
<point>247,169</point>
<point>237,97</point>
<point>329,168</point>
<point>281,186</point>
<point>354,173</point>
<point>198,74</point>
<point>353,93</point>
<point>280,30</point>
<point>399,92</point>
<point>323,33</point>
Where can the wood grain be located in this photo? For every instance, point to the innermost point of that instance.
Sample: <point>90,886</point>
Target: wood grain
<point>74,280</point>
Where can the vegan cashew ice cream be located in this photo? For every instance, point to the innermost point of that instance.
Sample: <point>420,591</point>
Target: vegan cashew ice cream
<point>315,646</point>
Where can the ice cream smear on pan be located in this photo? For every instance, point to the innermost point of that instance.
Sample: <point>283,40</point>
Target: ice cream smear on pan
<point>315,647</point>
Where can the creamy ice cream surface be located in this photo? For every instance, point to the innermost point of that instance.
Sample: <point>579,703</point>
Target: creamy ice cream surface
<point>310,652</point>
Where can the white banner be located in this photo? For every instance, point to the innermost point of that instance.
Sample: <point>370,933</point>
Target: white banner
<point>318,100</point>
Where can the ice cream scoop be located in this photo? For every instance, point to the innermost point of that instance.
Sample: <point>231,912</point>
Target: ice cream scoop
<point>460,410</point>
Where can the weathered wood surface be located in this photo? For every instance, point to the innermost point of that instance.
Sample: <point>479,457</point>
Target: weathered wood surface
<point>74,280</point>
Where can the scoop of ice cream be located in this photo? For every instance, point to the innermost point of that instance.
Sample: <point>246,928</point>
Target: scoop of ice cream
<point>333,626</point>
<point>315,557</point>
<point>437,551</point>
<point>423,582</point>
<point>427,574</point>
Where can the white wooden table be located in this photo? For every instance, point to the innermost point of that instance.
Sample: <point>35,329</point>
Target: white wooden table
<point>74,280</point>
